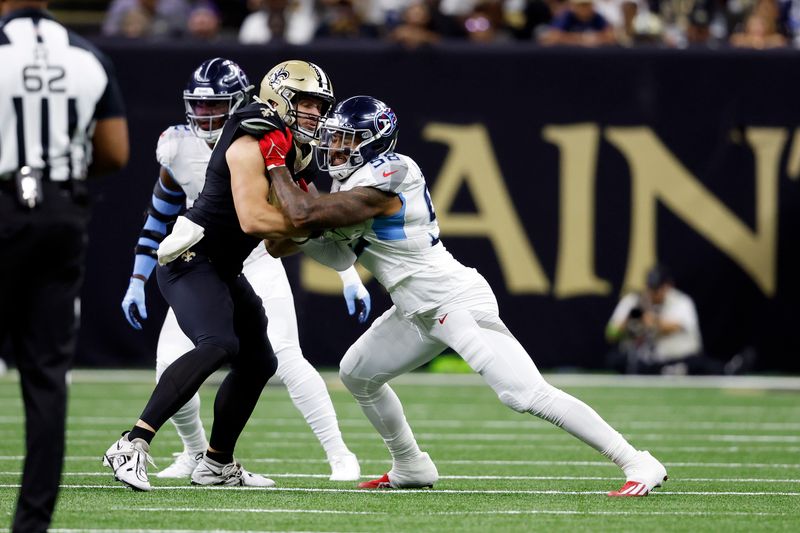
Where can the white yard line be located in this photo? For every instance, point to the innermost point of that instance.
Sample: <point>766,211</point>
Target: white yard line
<point>423,491</point>
<point>291,475</point>
<point>550,435</point>
<point>117,530</point>
<point>698,464</point>
<point>440,380</point>
<point>522,424</point>
<point>452,513</point>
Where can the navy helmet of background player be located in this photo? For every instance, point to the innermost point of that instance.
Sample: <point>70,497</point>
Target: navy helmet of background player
<point>359,129</point>
<point>216,89</point>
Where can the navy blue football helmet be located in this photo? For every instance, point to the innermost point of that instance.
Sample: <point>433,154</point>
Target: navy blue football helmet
<point>217,88</point>
<point>358,130</point>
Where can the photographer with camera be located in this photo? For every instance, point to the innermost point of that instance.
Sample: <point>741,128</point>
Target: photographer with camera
<point>657,331</point>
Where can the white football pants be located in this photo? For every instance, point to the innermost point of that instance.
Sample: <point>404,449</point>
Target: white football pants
<point>306,387</point>
<point>470,325</point>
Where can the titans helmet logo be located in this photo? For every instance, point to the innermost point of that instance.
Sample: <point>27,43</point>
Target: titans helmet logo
<point>276,79</point>
<point>386,122</point>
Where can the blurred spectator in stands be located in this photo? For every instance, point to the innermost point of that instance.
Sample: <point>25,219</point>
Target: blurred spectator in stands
<point>390,13</point>
<point>580,25</point>
<point>527,18</point>
<point>147,18</point>
<point>204,21</point>
<point>485,22</point>
<point>136,24</point>
<point>759,32</point>
<point>341,20</point>
<point>637,24</point>
<point>293,21</point>
<point>789,20</point>
<point>657,332</point>
<point>416,27</point>
<point>693,22</point>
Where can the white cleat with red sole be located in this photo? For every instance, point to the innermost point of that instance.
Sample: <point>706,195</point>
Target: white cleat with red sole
<point>643,475</point>
<point>418,474</point>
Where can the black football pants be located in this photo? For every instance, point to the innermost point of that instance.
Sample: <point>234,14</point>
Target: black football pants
<point>41,271</point>
<point>225,319</point>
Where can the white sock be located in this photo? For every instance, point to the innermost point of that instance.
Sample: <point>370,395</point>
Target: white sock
<point>384,410</point>
<point>309,394</point>
<point>190,427</point>
<point>506,366</point>
<point>583,422</point>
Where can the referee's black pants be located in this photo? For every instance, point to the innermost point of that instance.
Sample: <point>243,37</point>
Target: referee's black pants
<point>41,271</point>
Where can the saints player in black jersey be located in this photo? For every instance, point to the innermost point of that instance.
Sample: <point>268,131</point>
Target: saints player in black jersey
<point>200,273</point>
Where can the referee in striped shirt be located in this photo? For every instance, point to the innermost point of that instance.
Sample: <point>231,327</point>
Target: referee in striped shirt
<point>61,121</point>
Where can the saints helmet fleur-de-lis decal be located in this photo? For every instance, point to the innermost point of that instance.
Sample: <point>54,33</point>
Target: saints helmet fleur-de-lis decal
<point>277,77</point>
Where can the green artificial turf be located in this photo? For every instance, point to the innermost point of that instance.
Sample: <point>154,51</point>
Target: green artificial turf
<point>733,456</point>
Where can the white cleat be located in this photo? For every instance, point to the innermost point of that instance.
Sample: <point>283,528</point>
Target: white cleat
<point>416,474</point>
<point>129,461</point>
<point>210,472</point>
<point>644,474</point>
<point>183,466</point>
<point>345,468</point>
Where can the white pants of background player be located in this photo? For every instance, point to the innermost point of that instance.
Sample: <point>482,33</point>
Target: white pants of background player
<point>306,387</point>
<point>468,323</point>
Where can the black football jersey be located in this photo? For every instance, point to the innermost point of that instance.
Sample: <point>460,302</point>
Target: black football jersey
<point>224,241</point>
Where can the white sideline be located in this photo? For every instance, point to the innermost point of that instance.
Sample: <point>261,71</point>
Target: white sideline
<point>116,530</point>
<point>290,475</point>
<point>441,380</point>
<point>526,424</point>
<point>424,491</point>
<point>455,513</point>
<point>466,462</point>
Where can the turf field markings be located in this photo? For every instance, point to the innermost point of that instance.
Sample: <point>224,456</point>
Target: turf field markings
<point>524,423</point>
<point>117,530</point>
<point>698,464</point>
<point>550,435</point>
<point>452,513</point>
<point>424,491</point>
<point>291,475</point>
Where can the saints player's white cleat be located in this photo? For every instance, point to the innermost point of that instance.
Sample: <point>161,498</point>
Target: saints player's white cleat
<point>345,468</point>
<point>129,461</point>
<point>183,466</point>
<point>644,474</point>
<point>415,474</point>
<point>210,472</point>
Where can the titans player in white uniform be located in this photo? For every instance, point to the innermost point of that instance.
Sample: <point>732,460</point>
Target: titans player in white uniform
<point>217,88</point>
<point>381,207</point>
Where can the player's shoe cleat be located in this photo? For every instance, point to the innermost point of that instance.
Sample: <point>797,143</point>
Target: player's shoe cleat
<point>183,466</point>
<point>416,474</point>
<point>210,472</point>
<point>643,475</point>
<point>380,483</point>
<point>129,461</point>
<point>345,468</point>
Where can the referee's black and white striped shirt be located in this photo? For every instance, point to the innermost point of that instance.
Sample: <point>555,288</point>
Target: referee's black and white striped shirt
<point>54,85</point>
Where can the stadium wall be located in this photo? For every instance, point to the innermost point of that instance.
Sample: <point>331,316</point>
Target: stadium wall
<point>562,175</point>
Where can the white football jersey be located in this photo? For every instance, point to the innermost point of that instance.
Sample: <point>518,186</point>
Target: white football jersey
<point>185,156</point>
<point>403,251</point>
